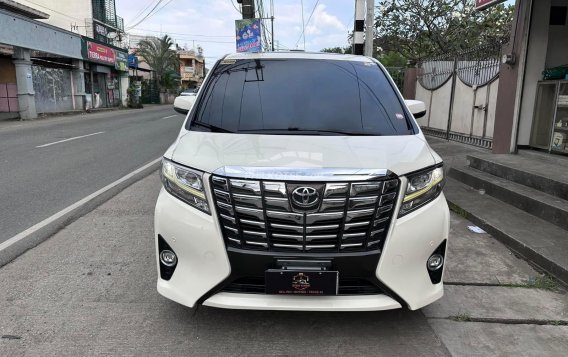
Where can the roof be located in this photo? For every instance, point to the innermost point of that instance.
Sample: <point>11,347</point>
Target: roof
<point>23,10</point>
<point>298,55</point>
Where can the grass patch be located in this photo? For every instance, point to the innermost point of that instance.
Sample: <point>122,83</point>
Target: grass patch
<point>558,323</point>
<point>543,282</point>
<point>460,317</point>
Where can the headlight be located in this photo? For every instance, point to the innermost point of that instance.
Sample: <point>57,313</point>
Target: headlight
<point>422,188</point>
<point>185,184</point>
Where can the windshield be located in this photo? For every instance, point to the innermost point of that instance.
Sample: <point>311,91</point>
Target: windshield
<point>301,96</point>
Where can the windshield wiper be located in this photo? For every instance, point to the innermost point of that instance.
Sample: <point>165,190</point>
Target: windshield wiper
<point>213,128</point>
<point>296,129</point>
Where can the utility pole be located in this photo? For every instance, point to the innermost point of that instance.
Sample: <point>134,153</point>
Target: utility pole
<point>369,25</point>
<point>359,28</point>
<point>247,7</point>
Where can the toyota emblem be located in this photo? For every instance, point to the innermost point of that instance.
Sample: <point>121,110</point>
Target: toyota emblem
<point>305,196</point>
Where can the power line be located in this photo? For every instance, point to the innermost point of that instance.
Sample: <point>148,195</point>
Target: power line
<point>307,23</point>
<point>142,11</point>
<point>235,6</point>
<point>151,13</point>
<point>185,34</point>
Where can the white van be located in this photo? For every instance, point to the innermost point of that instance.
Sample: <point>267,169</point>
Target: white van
<point>301,181</point>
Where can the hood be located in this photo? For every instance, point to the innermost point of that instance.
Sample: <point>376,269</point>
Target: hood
<point>210,151</point>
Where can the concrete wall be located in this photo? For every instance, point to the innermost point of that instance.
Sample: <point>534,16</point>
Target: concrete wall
<point>16,31</point>
<point>64,13</point>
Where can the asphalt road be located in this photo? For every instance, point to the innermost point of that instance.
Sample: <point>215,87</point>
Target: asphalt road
<point>90,290</point>
<point>49,164</point>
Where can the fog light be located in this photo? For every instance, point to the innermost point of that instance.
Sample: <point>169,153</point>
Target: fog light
<point>168,258</point>
<point>435,262</point>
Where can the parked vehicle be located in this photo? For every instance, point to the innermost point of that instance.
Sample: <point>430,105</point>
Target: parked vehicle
<point>184,102</point>
<point>301,181</point>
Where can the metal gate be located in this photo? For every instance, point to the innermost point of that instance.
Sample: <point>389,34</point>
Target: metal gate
<point>460,92</point>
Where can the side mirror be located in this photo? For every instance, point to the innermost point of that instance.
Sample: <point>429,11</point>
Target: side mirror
<point>183,104</point>
<point>416,107</point>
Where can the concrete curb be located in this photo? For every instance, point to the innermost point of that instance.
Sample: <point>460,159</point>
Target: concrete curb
<point>40,232</point>
<point>532,256</point>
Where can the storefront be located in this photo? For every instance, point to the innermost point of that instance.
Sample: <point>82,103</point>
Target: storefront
<point>106,74</point>
<point>532,103</point>
<point>545,90</point>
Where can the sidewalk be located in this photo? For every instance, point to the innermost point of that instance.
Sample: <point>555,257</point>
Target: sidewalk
<point>519,199</point>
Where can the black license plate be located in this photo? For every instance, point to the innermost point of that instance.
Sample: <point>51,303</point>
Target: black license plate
<point>294,282</point>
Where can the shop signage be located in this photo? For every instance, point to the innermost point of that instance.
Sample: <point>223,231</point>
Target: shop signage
<point>100,53</point>
<point>132,61</point>
<point>484,4</point>
<point>100,29</point>
<point>247,34</point>
<point>121,61</point>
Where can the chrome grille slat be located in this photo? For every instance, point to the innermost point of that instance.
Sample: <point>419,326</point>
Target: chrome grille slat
<point>320,237</point>
<point>275,188</point>
<point>298,238</point>
<point>364,189</point>
<point>259,214</point>
<point>256,243</point>
<point>297,229</point>
<point>323,217</point>
<point>230,219</point>
<point>362,202</point>
<point>254,233</point>
<point>277,203</point>
<point>260,225</point>
<point>255,201</point>
<point>246,185</point>
<point>313,229</point>
<point>292,217</point>
<point>333,204</point>
<point>293,246</point>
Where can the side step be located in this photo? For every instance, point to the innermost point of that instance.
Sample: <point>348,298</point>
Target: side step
<point>543,244</point>
<point>535,174</point>
<point>535,202</point>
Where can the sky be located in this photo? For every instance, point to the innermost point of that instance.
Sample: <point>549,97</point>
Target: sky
<point>210,23</point>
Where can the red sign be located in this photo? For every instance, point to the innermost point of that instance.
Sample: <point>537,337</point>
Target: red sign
<point>484,4</point>
<point>100,53</point>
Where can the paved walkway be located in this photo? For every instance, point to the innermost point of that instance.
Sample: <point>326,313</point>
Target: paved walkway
<point>90,290</point>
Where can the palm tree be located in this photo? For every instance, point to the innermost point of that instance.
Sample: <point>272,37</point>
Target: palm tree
<point>159,55</point>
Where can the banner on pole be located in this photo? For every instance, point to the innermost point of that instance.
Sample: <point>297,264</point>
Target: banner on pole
<point>484,4</point>
<point>248,35</point>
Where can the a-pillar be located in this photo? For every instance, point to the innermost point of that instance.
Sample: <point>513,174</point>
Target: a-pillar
<point>24,81</point>
<point>78,76</point>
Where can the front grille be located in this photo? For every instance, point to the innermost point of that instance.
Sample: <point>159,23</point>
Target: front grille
<point>280,216</point>
<point>347,286</point>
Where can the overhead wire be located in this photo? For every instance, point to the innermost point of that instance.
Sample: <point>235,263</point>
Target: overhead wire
<point>307,23</point>
<point>142,11</point>
<point>150,14</point>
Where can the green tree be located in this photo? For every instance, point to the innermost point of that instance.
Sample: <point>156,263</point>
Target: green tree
<point>337,49</point>
<point>160,56</point>
<point>419,28</point>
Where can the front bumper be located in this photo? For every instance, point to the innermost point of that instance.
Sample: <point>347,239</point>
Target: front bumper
<point>204,270</point>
